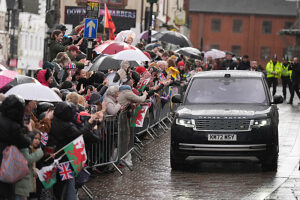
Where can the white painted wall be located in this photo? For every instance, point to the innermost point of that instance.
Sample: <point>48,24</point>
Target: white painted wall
<point>32,29</point>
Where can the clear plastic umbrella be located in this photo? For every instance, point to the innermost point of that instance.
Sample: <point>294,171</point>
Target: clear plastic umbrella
<point>33,91</point>
<point>215,54</point>
<point>123,35</point>
<point>131,55</point>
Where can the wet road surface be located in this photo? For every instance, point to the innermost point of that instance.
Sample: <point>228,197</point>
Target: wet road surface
<point>153,178</point>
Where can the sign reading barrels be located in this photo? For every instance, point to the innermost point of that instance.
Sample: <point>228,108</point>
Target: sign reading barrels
<point>124,19</point>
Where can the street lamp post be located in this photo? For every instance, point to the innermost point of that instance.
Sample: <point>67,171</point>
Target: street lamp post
<point>150,19</point>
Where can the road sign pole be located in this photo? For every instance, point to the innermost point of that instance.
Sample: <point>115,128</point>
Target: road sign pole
<point>91,24</point>
<point>89,49</point>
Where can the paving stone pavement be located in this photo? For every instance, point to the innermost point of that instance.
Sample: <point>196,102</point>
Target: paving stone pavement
<point>153,178</point>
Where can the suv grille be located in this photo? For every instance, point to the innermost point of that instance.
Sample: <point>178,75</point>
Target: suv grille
<point>222,124</point>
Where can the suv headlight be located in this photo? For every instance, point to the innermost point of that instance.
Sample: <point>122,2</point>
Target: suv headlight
<point>261,122</point>
<point>189,123</point>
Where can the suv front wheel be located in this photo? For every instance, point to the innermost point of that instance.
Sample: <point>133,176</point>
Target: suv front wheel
<point>270,163</point>
<point>176,161</point>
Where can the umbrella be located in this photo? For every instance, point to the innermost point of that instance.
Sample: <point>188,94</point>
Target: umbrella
<point>173,38</point>
<point>113,47</point>
<point>123,35</point>
<point>144,35</point>
<point>21,79</point>
<point>131,55</point>
<point>2,68</point>
<point>6,77</point>
<point>189,52</point>
<point>32,91</point>
<point>108,62</point>
<point>215,54</point>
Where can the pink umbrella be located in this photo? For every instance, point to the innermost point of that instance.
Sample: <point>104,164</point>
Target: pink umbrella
<point>6,77</point>
<point>113,47</point>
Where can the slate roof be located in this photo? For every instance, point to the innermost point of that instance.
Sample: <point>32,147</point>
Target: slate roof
<point>257,7</point>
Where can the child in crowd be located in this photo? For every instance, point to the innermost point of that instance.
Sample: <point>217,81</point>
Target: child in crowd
<point>26,185</point>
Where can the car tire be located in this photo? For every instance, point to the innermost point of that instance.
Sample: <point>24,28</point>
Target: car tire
<point>176,161</point>
<point>271,162</point>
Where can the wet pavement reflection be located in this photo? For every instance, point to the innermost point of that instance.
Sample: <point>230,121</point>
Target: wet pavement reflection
<point>153,178</point>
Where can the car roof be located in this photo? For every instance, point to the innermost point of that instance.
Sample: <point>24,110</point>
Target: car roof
<point>233,73</point>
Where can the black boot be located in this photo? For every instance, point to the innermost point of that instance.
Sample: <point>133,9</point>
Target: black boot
<point>290,102</point>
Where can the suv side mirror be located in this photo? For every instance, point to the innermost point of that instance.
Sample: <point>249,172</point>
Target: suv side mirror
<point>277,99</point>
<point>176,98</point>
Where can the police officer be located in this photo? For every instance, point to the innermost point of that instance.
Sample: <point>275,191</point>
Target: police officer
<point>295,78</point>
<point>273,69</point>
<point>286,75</point>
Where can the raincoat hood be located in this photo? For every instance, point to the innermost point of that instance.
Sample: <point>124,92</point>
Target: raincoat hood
<point>64,111</point>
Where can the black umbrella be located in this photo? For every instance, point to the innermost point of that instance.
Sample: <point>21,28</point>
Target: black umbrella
<point>105,62</point>
<point>173,38</point>
<point>189,52</point>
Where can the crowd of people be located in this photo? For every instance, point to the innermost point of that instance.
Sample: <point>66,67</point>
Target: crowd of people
<point>88,96</point>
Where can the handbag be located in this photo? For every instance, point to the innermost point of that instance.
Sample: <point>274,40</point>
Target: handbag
<point>14,166</point>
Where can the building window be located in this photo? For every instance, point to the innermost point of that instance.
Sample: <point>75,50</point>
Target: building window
<point>215,25</point>
<point>236,50</point>
<point>214,46</point>
<point>267,27</point>
<point>288,25</point>
<point>265,53</point>
<point>237,26</point>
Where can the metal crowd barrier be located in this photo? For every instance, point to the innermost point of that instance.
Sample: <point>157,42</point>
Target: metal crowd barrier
<point>106,150</point>
<point>118,140</point>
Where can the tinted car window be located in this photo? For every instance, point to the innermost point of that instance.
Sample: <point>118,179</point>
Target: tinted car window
<point>226,90</point>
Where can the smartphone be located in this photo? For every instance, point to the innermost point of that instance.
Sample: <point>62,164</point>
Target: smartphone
<point>93,109</point>
<point>26,119</point>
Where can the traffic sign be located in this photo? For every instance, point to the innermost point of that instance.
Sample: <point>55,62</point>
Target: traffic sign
<point>92,9</point>
<point>90,28</point>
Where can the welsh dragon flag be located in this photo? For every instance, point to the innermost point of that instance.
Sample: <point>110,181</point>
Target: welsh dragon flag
<point>138,117</point>
<point>142,84</point>
<point>47,175</point>
<point>76,154</point>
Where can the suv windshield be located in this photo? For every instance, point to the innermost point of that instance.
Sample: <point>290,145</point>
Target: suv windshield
<point>226,91</point>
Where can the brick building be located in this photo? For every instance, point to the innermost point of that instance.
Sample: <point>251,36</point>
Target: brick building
<point>242,26</point>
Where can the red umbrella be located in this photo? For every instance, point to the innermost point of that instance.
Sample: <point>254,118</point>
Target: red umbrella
<point>6,77</point>
<point>113,47</point>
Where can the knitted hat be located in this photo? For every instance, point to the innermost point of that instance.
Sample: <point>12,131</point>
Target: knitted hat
<point>180,63</point>
<point>154,46</point>
<point>140,69</point>
<point>71,66</point>
<point>74,48</point>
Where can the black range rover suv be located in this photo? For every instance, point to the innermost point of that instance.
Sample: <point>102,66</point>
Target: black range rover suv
<point>226,115</point>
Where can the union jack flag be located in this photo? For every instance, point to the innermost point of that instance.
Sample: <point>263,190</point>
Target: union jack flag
<point>44,138</point>
<point>65,171</point>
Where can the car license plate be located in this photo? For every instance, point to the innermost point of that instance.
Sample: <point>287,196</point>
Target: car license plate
<point>222,137</point>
